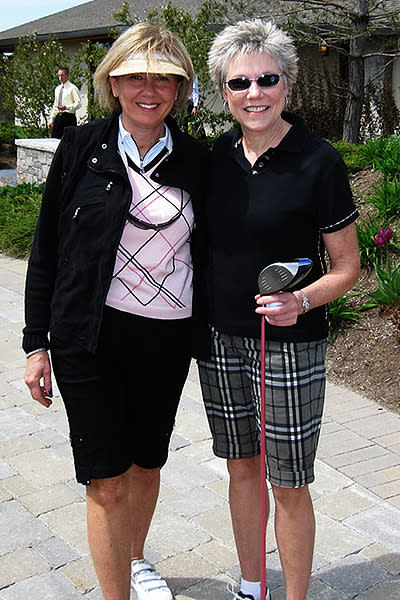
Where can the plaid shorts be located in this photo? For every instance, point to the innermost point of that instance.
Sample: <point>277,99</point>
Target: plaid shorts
<point>295,391</point>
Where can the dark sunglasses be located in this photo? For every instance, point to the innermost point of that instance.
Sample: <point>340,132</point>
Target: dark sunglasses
<point>266,80</point>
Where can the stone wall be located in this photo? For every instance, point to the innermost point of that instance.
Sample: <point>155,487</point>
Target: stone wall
<point>34,158</point>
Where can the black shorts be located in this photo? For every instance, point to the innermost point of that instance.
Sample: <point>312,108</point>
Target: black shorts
<point>121,402</point>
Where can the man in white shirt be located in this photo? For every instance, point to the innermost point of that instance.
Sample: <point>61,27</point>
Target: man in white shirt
<point>67,100</point>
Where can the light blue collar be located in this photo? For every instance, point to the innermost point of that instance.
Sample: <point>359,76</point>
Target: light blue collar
<point>128,146</point>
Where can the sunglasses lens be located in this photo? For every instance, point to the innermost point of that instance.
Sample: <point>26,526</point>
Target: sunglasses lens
<point>239,84</point>
<point>268,80</point>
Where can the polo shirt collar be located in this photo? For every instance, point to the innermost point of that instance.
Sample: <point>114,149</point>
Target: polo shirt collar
<point>294,141</point>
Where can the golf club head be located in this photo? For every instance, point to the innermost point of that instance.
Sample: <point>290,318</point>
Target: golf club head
<point>281,276</point>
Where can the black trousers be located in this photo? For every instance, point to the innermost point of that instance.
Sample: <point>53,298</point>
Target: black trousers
<point>121,402</point>
<point>62,120</point>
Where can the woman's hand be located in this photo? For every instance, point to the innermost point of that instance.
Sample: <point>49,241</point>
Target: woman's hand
<point>282,315</point>
<point>38,377</point>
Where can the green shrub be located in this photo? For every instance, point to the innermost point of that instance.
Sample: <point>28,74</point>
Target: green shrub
<point>383,153</point>
<point>386,198</point>
<point>388,290</point>
<point>352,155</point>
<point>19,210</point>
<point>10,132</point>
<point>341,314</point>
<point>372,253</point>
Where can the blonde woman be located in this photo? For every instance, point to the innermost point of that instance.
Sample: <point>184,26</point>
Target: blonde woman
<point>112,276</point>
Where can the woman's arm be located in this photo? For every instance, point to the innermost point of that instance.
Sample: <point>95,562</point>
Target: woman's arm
<point>344,258</point>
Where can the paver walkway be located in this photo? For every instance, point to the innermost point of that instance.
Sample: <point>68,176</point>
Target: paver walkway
<point>43,549</point>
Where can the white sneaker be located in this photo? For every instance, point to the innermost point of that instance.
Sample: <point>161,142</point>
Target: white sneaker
<point>147,582</point>
<point>240,596</point>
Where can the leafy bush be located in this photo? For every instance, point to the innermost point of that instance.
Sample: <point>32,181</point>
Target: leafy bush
<point>383,153</point>
<point>386,198</point>
<point>352,156</point>
<point>341,314</point>
<point>388,290</point>
<point>19,210</point>
<point>10,132</point>
<point>371,251</point>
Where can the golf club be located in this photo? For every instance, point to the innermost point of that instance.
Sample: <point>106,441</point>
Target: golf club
<point>276,277</point>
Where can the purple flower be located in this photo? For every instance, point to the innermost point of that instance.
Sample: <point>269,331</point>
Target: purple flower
<point>383,237</point>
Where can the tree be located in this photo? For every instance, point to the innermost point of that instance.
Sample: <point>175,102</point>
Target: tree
<point>349,26</point>
<point>28,79</point>
<point>82,71</point>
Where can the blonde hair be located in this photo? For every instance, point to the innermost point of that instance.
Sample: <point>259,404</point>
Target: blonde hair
<point>147,40</point>
<point>251,36</point>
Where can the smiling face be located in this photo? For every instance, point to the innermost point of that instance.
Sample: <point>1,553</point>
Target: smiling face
<point>256,109</point>
<point>146,99</point>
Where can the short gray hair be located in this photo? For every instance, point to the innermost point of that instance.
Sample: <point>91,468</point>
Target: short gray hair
<point>250,36</point>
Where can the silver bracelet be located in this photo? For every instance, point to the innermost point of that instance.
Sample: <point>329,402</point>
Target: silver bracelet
<point>35,352</point>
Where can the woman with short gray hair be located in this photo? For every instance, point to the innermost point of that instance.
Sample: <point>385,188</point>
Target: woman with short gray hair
<point>276,192</point>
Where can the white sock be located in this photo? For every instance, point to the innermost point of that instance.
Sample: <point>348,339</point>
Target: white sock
<point>250,588</point>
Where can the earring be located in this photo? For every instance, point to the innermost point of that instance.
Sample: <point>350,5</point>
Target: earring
<point>286,101</point>
<point>115,95</point>
<point>225,107</point>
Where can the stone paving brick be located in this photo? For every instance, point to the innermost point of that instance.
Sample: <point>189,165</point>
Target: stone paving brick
<point>31,464</point>
<point>5,470</point>
<point>395,501</point>
<point>21,564</point>
<point>171,534</point>
<point>19,445</point>
<point>181,474</point>
<point>47,499</point>
<point>369,466</point>
<point>328,479</point>
<point>57,552</point>
<point>222,557</point>
<point>69,524</point>
<point>19,486</point>
<point>342,504</point>
<point>15,423</point>
<point>353,575</point>
<point>344,440</point>
<point>382,524</point>
<point>81,574</point>
<point>377,425</point>
<point>388,440</point>
<point>214,588</point>
<point>356,456</point>
<point>389,590</point>
<point>194,502</point>
<point>14,518</point>
<point>334,540</point>
<point>386,490</point>
<point>380,477</point>
<point>46,586</point>
<point>217,524</point>
<point>383,557</point>
<point>186,570</point>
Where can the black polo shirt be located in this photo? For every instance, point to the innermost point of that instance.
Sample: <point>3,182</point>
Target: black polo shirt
<point>276,210</point>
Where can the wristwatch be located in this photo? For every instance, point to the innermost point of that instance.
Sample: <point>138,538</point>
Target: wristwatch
<point>304,301</point>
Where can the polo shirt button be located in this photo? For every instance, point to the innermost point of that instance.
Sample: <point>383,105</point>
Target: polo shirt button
<point>261,164</point>
<point>104,146</point>
<point>156,174</point>
<point>94,160</point>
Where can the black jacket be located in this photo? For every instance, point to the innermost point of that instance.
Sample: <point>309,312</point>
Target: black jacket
<point>85,203</point>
